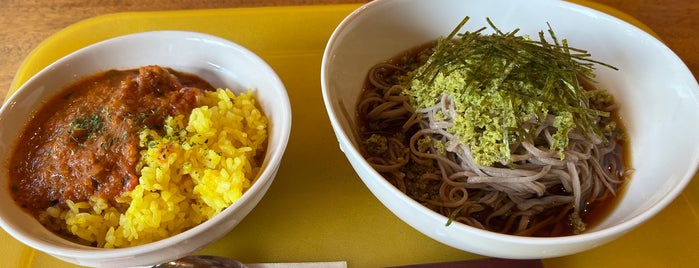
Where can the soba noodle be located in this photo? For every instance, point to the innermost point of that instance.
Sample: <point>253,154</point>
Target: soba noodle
<point>539,192</point>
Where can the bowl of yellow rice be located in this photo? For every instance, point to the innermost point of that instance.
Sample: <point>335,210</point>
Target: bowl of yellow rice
<point>198,174</point>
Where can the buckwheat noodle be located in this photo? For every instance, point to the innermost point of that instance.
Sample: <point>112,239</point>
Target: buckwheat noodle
<point>535,195</point>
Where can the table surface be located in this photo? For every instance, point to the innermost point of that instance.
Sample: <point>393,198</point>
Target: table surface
<point>25,24</point>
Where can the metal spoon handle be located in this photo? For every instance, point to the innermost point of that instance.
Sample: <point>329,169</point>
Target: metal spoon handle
<point>201,261</point>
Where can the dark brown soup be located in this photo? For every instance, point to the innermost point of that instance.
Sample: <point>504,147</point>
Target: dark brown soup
<point>387,126</point>
<point>85,141</point>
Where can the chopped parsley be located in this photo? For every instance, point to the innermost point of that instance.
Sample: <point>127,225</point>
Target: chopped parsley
<point>85,126</point>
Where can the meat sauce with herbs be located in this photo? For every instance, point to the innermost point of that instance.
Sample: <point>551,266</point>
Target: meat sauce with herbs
<point>85,141</point>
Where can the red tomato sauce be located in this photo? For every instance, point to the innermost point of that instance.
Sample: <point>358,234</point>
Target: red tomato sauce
<point>85,142</point>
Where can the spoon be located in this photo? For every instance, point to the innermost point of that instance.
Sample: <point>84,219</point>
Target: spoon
<point>201,261</point>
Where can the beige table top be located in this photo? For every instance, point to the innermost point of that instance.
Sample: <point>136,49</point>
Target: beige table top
<point>24,24</point>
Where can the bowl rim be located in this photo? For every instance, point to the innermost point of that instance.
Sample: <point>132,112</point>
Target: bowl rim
<point>258,188</point>
<point>351,151</point>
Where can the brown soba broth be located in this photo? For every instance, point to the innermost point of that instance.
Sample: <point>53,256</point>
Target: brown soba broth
<point>537,189</point>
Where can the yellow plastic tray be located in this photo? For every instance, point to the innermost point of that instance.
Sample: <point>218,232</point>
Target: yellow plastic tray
<point>318,209</point>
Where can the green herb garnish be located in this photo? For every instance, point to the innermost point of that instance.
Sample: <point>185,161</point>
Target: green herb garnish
<point>85,126</point>
<point>497,82</point>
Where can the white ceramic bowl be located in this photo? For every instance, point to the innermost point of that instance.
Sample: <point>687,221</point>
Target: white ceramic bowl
<point>219,61</point>
<point>658,96</point>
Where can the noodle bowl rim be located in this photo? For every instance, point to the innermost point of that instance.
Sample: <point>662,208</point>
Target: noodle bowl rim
<point>379,187</point>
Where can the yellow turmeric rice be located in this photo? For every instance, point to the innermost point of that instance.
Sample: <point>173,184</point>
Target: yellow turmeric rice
<point>191,173</point>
